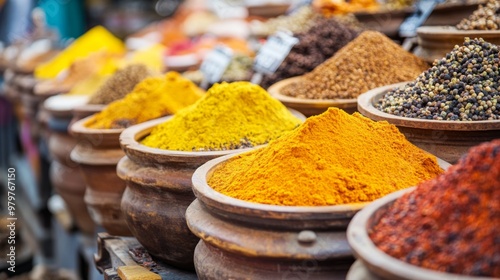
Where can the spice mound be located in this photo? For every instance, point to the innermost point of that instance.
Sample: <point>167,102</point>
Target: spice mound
<point>319,43</point>
<point>121,83</point>
<point>152,98</point>
<point>463,86</point>
<point>450,223</point>
<point>369,61</point>
<point>486,17</point>
<point>334,158</point>
<point>230,116</point>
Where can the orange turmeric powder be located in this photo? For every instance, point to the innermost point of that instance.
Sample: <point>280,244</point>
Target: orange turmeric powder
<point>334,158</point>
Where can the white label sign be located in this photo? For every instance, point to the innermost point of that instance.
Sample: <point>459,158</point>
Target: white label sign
<point>215,64</point>
<point>273,52</point>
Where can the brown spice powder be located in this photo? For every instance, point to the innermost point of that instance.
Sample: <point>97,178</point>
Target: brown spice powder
<point>369,61</point>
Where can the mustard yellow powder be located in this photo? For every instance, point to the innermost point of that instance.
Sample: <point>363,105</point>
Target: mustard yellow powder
<point>152,98</point>
<point>334,158</point>
<point>230,116</point>
<point>96,39</point>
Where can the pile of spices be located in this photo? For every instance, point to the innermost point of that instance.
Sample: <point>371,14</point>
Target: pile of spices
<point>150,99</point>
<point>230,116</point>
<point>450,223</point>
<point>120,84</point>
<point>319,43</point>
<point>369,61</point>
<point>334,158</point>
<point>299,21</point>
<point>486,17</point>
<point>463,86</point>
<point>96,39</point>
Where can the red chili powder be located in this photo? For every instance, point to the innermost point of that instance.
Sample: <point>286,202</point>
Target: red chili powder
<point>450,223</point>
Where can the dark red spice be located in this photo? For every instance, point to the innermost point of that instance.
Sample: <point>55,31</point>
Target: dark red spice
<point>450,223</point>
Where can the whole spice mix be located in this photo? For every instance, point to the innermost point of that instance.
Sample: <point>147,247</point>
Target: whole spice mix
<point>486,17</point>
<point>316,45</point>
<point>152,98</point>
<point>120,84</point>
<point>450,223</point>
<point>369,61</point>
<point>462,86</point>
<point>334,158</point>
<point>230,116</point>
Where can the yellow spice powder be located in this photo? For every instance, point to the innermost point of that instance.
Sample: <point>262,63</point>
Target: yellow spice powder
<point>152,98</point>
<point>230,116</point>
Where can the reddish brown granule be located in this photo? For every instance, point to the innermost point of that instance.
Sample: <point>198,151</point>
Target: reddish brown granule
<point>450,223</point>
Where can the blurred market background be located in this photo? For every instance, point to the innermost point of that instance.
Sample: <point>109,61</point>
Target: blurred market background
<point>55,241</point>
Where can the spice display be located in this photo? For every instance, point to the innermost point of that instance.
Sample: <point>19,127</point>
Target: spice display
<point>88,85</point>
<point>239,69</point>
<point>369,61</point>
<point>151,57</point>
<point>463,86</point>
<point>450,223</point>
<point>230,116</point>
<point>152,98</point>
<point>120,84</point>
<point>98,63</point>
<point>486,17</point>
<point>319,43</point>
<point>342,7</point>
<point>96,39</point>
<point>334,158</point>
<point>300,21</point>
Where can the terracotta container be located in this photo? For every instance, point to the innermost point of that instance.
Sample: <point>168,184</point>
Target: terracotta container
<point>64,173</point>
<point>97,152</point>
<point>434,42</point>
<point>376,264</point>
<point>448,140</point>
<point>246,240</point>
<point>159,192</point>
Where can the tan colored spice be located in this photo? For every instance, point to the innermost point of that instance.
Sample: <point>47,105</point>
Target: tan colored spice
<point>121,83</point>
<point>369,61</point>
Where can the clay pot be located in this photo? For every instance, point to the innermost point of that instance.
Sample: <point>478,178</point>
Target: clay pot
<point>246,240</point>
<point>436,41</point>
<point>64,173</point>
<point>97,152</point>
<point>159,192</point>
<point>376,262</point>
<point>448,140</point>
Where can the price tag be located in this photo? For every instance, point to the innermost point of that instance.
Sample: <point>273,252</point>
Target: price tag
<point>272,53</point>
<point>215,64</point>
<point>424,9</point>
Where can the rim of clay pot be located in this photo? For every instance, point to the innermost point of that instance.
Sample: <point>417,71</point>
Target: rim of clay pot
<point>69,102</point>
<point>294,102</point>
<point>130,137</point>
<point>378,261</point>
<point>451,31</point>
<point>97,137</point>
<point>266,214</point>
<point>366,106</point>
